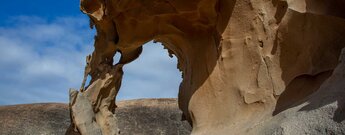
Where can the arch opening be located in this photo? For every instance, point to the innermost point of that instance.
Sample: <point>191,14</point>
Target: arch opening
<point>151,75</point>
<point>116,58</point>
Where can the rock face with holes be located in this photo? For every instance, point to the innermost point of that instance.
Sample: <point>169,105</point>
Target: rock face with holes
<point>248,66</point>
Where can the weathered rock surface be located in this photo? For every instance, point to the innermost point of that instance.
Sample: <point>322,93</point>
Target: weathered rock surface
<point>245,63</point>
<point>321,113</point>
<point>135,117</point>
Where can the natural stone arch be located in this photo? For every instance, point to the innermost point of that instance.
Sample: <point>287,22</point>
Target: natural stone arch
<point>185,31</point>
<point>236,56</point>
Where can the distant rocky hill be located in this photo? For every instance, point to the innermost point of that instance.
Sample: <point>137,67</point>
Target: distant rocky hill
<point>136,117</point>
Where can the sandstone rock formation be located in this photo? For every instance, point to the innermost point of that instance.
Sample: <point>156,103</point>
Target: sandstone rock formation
<point>135,117</point>
<point>243,62</point>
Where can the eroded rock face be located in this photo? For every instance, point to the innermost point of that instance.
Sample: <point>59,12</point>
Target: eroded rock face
<point>243,62</point>
<point>321,113</point>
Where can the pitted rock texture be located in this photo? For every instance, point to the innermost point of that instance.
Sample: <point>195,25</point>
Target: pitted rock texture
<point>136,117</point>
<point>243,62</point>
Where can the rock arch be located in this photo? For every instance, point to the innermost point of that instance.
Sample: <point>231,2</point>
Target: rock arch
<point>237,56</point>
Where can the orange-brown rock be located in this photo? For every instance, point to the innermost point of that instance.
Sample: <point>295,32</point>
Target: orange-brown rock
<point>243,62</point>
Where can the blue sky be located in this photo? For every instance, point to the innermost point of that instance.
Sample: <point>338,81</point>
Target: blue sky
<point>43,45</point>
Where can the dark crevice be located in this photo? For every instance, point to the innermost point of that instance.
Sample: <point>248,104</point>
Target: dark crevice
<point>117,36</point>
<point>281,10</point>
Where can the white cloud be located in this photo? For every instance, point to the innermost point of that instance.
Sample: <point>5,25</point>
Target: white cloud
<point>41,59</point>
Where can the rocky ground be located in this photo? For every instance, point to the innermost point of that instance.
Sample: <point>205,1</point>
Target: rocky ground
<point>139,117</point>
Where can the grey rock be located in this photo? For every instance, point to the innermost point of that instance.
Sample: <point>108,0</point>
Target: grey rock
<point>139,117</point>
<point>34,119</point>
<point>151,117</point>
